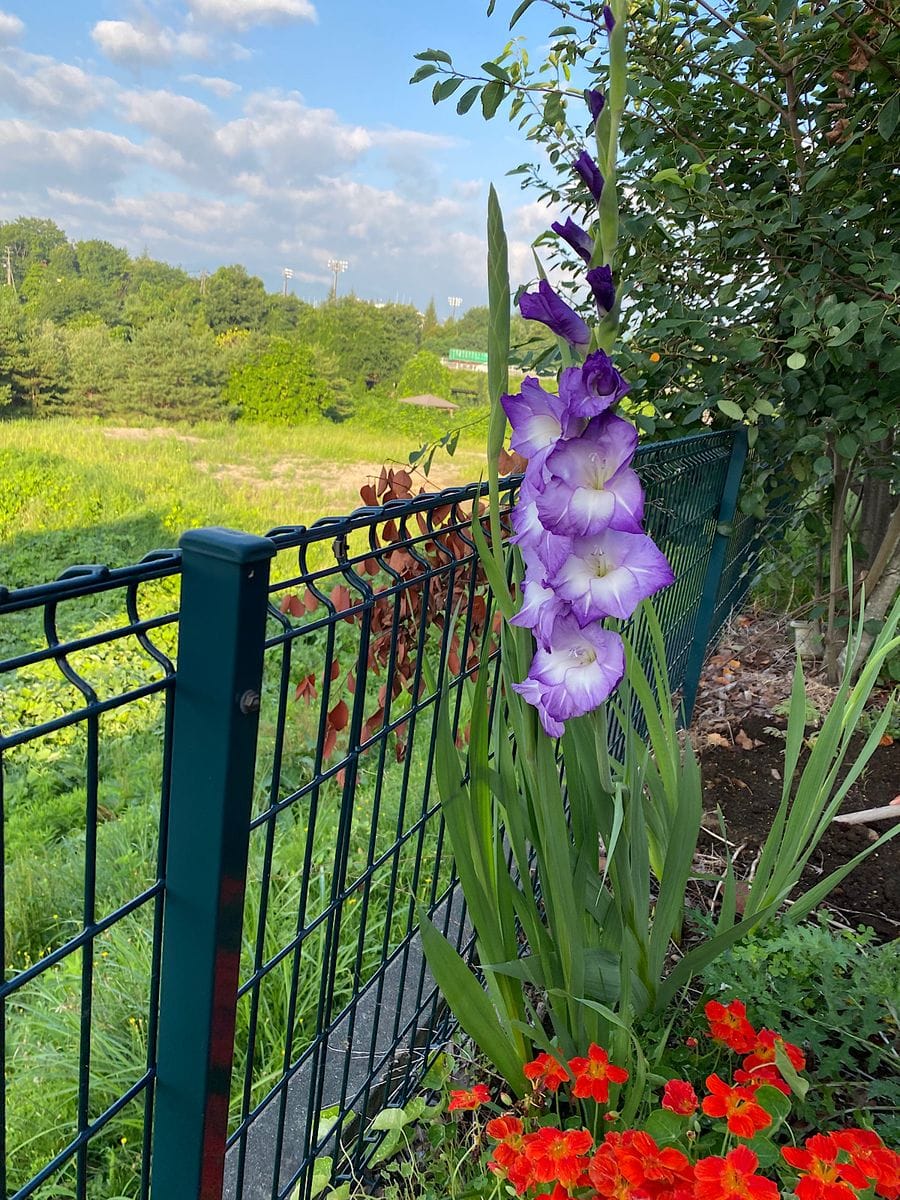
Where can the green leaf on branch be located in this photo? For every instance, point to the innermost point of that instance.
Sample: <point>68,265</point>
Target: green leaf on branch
<point>445,88</point>
<point>520,12</point>
<point>796,361</point>
<point>423,72</point>
<point>433,56</point>
<point>888,117</point>
<point>730,409</point>
<point>467,99</point>
<point>492,97</point>
<point>496,72</point>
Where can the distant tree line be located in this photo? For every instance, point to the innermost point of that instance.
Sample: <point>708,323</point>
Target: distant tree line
<point>87,329</point>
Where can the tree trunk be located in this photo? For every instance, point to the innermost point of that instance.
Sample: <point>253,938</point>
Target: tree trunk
<point>885,578</point>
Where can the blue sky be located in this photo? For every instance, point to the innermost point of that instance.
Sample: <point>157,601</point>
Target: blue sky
<point>269,132</point>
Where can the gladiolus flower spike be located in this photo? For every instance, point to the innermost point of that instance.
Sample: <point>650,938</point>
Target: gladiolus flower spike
<point>578,517</point>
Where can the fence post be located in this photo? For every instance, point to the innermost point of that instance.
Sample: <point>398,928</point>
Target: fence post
<point>220,658</point>
<point>706,609</point>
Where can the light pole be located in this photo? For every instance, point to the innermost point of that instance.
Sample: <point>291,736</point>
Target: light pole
<point>336,266</point>
<point>454,302</point>
<point>286,274</point>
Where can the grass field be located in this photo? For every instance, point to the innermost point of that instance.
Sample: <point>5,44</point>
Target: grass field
<point>87,492</point>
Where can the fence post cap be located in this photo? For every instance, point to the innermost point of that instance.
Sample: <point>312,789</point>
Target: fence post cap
<point>230,545</point>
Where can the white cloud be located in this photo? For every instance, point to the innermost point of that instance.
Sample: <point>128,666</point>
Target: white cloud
<point>223,88</point>
<point>11,26</point>
<point>34,84</point>
<point>244,14</point>
<point>133,45</point>
<point>90,159</point>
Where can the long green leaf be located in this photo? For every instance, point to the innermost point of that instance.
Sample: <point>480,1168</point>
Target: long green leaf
<point>470,1004</point>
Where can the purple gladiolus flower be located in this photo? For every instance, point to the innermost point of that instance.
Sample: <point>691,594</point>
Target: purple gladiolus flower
<point>541,608</point>
<point>575,674</point>
<point>601,281</point>
<point>595,101</point>
<point>580,241</point>
<point>544,305</point>
<point>590,486</point>
<point>536,418</point>
<point>590,389</point>
<point>589,172</point>
<point>610,574</point>
<point>608,19</point>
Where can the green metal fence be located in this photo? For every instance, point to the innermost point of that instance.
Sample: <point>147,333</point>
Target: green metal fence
<point>238,982</point>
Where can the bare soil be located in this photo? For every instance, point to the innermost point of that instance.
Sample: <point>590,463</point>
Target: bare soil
<point>739,723</point>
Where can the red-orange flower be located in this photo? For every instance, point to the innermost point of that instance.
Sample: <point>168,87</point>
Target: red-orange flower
<point>744,1117</point>
<point>558,1157</point>
<point>732,1178</point>
<point>873,1158</point>
<point>546,1072</point>
<point>760,1066</point>
<point>469,1099</point>
<point>594,1074</point>
<point>728,1023</point>
<point>508,1159</point>
<point>631,1166</point>
<point>605,1169</point>
<point>679,1097</point>
<point>823,1177</point>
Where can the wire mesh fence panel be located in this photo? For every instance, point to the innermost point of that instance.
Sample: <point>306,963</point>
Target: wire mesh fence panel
<point>335,1014</point>
<point>338,1013</point>
<point>86,689</point>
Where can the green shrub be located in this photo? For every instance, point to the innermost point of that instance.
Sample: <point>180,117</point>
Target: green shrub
<point>287,383</point>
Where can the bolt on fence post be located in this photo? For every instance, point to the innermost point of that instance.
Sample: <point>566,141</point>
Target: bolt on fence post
<point>222,624</point>
<point>707,606</point>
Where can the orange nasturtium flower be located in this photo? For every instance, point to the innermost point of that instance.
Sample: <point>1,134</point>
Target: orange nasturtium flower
<point>470,1098</point>
<point>594,1074</point>
<point>546,1072</point>
<point>744,1117</point>
<point>679,1097</point>
<point>823,1177</point>
<point>876,1161</point>
<point>558,1157</point>
<point>728,1023</point>
<point>654,357</point>
<point>732,1178</point>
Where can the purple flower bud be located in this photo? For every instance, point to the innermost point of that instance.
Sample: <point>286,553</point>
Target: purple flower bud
<point>575,674</point>
<point>544,305</point>
<point>601,281</point>
<point>610,574</point>
<point>590,389</point>
<point>608,19</point>
<point>595,101</point>
<point>580,241</point>
<point>589,173</point>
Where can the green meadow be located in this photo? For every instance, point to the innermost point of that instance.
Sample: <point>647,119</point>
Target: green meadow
<point>82,491</point>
